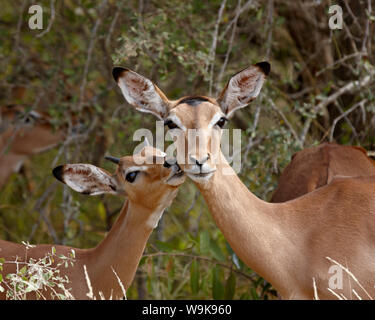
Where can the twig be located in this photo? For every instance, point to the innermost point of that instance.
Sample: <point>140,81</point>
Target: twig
<point>230,45</point>
<point>269,31</point>
<point>196,195</point>
<point>367,28</point>
<point>353,16</point>
<point>19,26</point>
<point>120,284</point>
<point>282,115</point>
<point>335,294</point>
<point>315,290</point>
<point>354,131</point>
<point>343,116</point>
<point>89,53</point>
<point>245,7</point>
<point>340,61</point>
<point>113,24</point>
<point>252,132</point>
<point>351,86</point>
<point>177,254</point>
<point>212,53</point>
<point>90,294</point>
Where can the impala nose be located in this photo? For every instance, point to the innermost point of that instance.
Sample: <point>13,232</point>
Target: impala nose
<point>200,162</point>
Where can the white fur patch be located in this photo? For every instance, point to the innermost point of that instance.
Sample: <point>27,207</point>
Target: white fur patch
<point>165,202</point>
<point>177,121</point>
<point>17,166</point>
<point>215,119</point>
<point>135,168</point>
<point>35,114</point>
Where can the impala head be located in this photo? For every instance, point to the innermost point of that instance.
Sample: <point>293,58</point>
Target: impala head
<point>31,132</point>
<point>196,122</point>
<point>144,184</point>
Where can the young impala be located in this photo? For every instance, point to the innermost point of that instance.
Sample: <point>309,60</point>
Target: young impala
<point>22,135</point>
<point>290,244</point>
<point>315,167</point>
<point>149,187</point>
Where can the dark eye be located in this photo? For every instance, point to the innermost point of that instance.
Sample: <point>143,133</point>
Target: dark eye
<point>170,124</point>
<point>131,176</point>
<point>222,122</point>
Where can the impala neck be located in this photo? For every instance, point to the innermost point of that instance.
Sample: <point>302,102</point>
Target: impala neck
<point>253,228</point>
<point>122,249</point>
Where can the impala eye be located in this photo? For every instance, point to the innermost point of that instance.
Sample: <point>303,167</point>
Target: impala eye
<point>130,177</point>
<point>170,124</point>
<point>222,122</point>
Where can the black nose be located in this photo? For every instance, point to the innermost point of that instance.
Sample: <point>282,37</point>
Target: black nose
<point>201,162</point>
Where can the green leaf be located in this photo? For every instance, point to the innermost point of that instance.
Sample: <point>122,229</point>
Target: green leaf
<point>102,211</point>
<point>216,251</point>
<point>1,277</point>
<point>204,242</point>
<point>23,270</point>
<point>230,287</point>
<point>254,294</point>
<point>217,285</point>
<point>194,277</point>
<point>165,246</point>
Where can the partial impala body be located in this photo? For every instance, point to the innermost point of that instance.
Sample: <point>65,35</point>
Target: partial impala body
<point>315,167</point>
<point>286,243</point>
<point>22,135</point>
<point>150,188</point>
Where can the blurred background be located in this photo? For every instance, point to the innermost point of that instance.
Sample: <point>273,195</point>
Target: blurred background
<point>58,79</point>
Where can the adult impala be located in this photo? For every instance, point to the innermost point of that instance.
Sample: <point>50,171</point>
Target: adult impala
<point>150,188</point>
<point>315,167</point>
<point>22,135</point>
<point>286,243</point>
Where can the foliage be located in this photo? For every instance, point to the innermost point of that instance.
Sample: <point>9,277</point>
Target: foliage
<point>37,276</point>
<point>67,71</point>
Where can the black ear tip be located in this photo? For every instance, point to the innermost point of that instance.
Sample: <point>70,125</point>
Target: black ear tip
<point>265,66</point>
<point>117,72</point>
<point>58,173</point>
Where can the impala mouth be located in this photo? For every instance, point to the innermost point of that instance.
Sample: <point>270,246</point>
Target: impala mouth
<point>176,177</point>
<point>201,176</point>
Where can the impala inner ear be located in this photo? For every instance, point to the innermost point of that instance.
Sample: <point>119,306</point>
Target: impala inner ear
<point>243,87</point>
<point>141,93</point>
<point>86,178</point>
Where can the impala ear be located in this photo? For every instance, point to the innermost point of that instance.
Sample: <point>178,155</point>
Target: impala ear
<point>141,92</point>
<point>243,87</point>
<point>86,179</point>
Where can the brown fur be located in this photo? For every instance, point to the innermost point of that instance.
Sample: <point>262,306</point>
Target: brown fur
<point>20,140</point>
<point>315,167</point>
